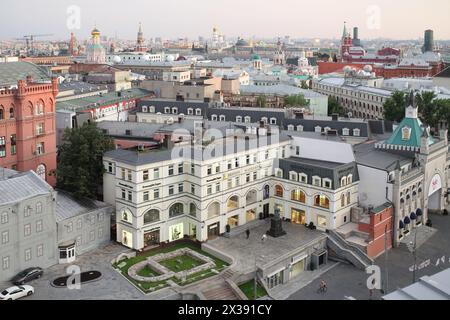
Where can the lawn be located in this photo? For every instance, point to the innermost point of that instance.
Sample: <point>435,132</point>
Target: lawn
<point>181,263</point>
<point>152,286</point>
<point>148,272</point>
<point>248,289</point>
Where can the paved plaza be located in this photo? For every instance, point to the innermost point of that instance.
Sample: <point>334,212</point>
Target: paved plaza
<point>247,252</point>
<point>345,280</point>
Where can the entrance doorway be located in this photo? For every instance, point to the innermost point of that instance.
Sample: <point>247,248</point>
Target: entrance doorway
<point>275,280</point>
<point>152,238</point>
<point>297,269</point>
<point>266,211</point>
<point>233,222</point>
<point>298,216</point>
<point>251,215</point>
<point>213,231</point>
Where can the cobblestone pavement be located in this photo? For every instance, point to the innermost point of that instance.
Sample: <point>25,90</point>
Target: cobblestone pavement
<point>112,285</point>
<point>345,280</point>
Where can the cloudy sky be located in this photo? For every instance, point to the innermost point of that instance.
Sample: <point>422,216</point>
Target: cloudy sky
<point>397,19</point>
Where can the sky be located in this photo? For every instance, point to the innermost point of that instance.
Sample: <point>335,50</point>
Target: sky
<point>395,19</point>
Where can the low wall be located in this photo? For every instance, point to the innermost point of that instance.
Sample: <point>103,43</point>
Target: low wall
<point>220,255</point>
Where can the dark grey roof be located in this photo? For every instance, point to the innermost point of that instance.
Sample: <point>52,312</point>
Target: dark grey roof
<point>218,148</point>
<point>81,87</point>
<point>311,124</point>
<point>68,207</point>
<point>367,155</point>
<point>181,105</point>
<point>256,114</point>
<point>324,169</point>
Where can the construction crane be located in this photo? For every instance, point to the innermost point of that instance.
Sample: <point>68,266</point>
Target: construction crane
<point>29,39</point>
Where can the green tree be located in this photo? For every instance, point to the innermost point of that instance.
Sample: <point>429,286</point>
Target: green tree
<point>427,107</point>
<point>297,100</point>
<point>442,110</point>
<point>261,101</point>
<point>304,85</point>
<point>334,106</point>
<point>80,160</point>
<point>394,107</point>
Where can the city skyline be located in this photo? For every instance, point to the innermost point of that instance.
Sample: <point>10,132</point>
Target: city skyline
<point>248,19</point>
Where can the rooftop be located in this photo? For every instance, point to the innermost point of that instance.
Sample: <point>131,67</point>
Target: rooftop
<point>11,72</point>
<point>101,100</point>
<point>68,207</point>
<point>279,89</point>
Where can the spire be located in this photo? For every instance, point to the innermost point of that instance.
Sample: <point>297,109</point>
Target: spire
<point>345,32</point>
<point>398,167</point>
<point>140,28</point>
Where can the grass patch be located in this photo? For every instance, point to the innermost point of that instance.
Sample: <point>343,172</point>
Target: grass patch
<point>181,263</point>
<point>148,287</point>
<point>248,289</point>
<point>148,272</point>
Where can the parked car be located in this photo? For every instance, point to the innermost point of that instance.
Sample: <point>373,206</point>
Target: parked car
<point>27,276</point>
<point>16,292</point>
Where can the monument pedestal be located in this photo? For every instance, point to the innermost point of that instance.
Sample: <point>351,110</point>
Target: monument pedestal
<point>276,227</point>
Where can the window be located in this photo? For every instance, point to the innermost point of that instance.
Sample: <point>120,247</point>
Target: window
<point>27,230</point>
<point>299,196</point>
<point>238,119</point>
<point>130,175</point>
<point>171,171</point>
<point>146,175</point>
<point>174,110</point>
<point>2,147</point>
<point>92,236</point>
<point>342,200</point>
<point>4,218</point>
<point>297,150</point>
<point>247,159</point>
<point>322,221</point>
<point>303,178</point>
<point>28,255</point>
<point>266,155</point>
<point>79,224</point>
<point>130,196</point>
<point>123,172</point>
<point>2,113</point>
<point>190,111</point>
<point>176,210</point>
<point>322,201</point>
<point>345,132</point>
<point>290,127</point>
<point>218,187</point>
<point>79,241</point>
<point>209,190</point>
<point>124,195</point>
<point>300,128</point>
<point>236,163</point>
<point>229,165</point>
<point>273,121</point>
<point>293,176</point>
<point>279,191</point>
<point>101,217</point>
<point>327,183</point>
<point>100,233</point>
<point>13,144</point>
<point>166,110</point>
<point>40,250</point>
<point>156,194</point>
<point>255,176</point>
<point>192,210</point>
<point>349,198</point>
<point>193,189</point>
<point>146,196</point>
<point>40,148</point>
<point>318,129</point>
<point>180,188</point>
<point>156,173</point>
<point>209,170</point>
<point>110,167</point>
<point>27,211</point>
<point>350,179</point>
<point>193,169</point>
<point>180,168</point>
<point>222,118</point>
<point>40,129</point>
<point>151,216</point>
<point>343,181</point>
<point>214,117</point>
<point>171,190</point>
<point>238,181</point>
<point>5,237</point>
<point>247,119</point>
<point>357,132</point>
<point>40,226</point>
<point>198,112</point>
<point>5,263</point>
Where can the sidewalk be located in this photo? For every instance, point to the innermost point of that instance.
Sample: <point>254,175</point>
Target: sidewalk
<point>284,291</point>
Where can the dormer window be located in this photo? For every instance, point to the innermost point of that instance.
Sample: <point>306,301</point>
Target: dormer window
<point>293,176</point>
<point>238,119</point>
<point>214,117</point>
<point>357,132</point>
<point>317,181</point>
<point>273,121</point>
<point>345,132</point>
<point>222,118</point>
<point>198,112</point>
<point>300,128</point>
<point>166,110</point>
<point>318,129</point>
<point>190,111</point>
<point>303,178</point>
<point>247,119</point>
<point>174,110</point>
<point>406,133</point>
<point>290,127</point>
<point>152,109</point>
<point>144,109</point>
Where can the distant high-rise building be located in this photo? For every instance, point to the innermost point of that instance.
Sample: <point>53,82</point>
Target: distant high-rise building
<point>429,41</point>
<point>73,45</point>
<point>356,40</point>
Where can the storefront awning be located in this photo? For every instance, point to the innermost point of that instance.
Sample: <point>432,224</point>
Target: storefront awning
<point>401,225</point>
<point>419,212</point>
<point>413,216</point>
<point>407,220</point>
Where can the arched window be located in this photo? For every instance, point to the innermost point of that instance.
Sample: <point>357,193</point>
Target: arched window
<point>252,197</point>
<point>125,214</point>
<point>298,195</point>
<point>41,171</point>
<point>193,209</point>
<point>2,113</point>
<point>279,191</point>
<point>214,210</point>
<point>322,201</point>
<point>343,200</point>
<point>11,113</point>
<point>151,216</point>
<point>233,203</point>
<point>176,210</point>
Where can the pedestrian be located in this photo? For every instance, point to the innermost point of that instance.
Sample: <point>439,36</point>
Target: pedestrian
<point>264,237</point>
<point>248,233</point>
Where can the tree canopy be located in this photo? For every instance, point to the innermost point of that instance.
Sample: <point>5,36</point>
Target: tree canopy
<point>80,160</point>
<point>297,100</point>
<point>394,107</point>
<point>334,107</point>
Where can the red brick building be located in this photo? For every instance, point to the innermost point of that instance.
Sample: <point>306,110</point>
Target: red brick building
<point>380,230</point>
<point>28,119</point>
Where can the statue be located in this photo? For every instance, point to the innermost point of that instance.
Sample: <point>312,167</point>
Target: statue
<point>276,228</point>
<point>411,99</point>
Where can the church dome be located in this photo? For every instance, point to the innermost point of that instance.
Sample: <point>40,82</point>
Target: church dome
<point>256,57</point>
<point>95,32</point>
<point>117,59</point>
<point>242,43</point>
